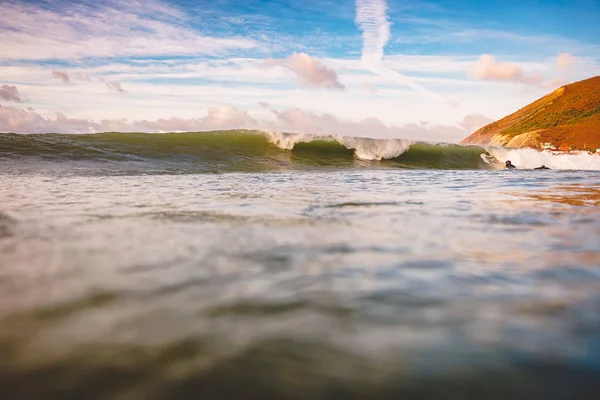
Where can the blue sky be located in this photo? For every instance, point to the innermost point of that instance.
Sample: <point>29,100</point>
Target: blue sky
<point>429,70</point>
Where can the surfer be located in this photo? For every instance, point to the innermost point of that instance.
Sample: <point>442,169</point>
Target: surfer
<point>510,165</point>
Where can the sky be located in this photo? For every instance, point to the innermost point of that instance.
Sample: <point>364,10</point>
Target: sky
<point>428,70</point>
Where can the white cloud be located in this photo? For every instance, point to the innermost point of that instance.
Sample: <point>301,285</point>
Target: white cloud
<point>67,78</point>
<point>13,119</point>
<point>555,83</point>
<point>164,89</point>
<point>112,29</point>
<point>217,118</point>
<point>488,68</point>
<point>309,70</point>
<point>240,82</point>
<point>367,87</point>
<point>295,120</point>
<point>473,122</point>
<point>63,76</point>
<point>435,70</point>
<point>228,117</point>
<point>564,61</point>
<point>10,93</point>
<point>565,67</point>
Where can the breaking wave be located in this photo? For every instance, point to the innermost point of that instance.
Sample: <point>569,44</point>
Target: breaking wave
<point>240,150</point>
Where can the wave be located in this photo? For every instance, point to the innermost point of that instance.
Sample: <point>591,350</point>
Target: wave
<point>241,150</point>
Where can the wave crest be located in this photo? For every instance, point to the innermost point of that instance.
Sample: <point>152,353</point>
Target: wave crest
<point>364,148</point>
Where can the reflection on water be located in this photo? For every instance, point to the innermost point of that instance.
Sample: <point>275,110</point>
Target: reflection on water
<point>347,284</point>
<point>572,195</point>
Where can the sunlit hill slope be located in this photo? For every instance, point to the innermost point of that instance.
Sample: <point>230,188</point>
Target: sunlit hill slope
<point>567,117</point>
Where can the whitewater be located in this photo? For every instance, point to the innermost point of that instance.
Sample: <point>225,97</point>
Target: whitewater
<point>246,264</point>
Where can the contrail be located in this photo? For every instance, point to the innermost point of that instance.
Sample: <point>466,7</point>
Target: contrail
<point>371,17</point>
<point>372,20</point>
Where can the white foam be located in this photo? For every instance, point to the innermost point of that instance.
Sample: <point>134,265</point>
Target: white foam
<point>287,141</point>
<point>364,148</point>
<point>376,149</point>
<point>531,158</point>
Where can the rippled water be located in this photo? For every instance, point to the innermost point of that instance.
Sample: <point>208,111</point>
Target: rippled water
<point>315,284</point>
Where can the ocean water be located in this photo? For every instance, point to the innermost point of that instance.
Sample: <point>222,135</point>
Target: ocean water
<point>238,265</point>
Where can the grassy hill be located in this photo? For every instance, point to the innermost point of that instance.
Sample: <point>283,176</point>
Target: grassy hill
<point>569,116</point>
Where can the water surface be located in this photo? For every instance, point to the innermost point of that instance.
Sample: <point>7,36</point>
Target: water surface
<point>322,284</point>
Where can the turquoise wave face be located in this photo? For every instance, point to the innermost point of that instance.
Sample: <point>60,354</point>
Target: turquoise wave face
<point>224,151</point>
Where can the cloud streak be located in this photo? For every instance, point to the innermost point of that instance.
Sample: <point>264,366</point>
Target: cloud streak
<point>116,28</point>
<point>10,93</point>
<point>310,71</point>
<point>371,18</point>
